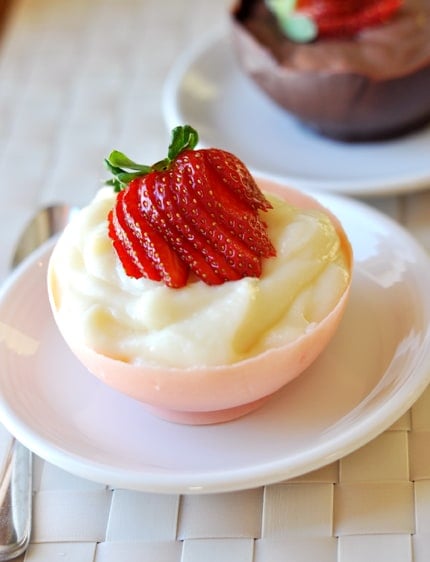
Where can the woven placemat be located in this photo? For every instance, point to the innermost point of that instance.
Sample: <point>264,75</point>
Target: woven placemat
<point>372,505</point>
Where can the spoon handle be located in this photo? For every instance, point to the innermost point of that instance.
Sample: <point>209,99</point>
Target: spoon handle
<point>16,478</point>
<point>15,502</point>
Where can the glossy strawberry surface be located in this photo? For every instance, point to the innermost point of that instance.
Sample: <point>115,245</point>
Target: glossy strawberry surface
<point>196,213</point>
<point>347,17</point>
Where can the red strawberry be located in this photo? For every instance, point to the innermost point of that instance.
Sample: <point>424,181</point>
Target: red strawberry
<point>234,206</point>
<point>347,17</point>
<point>155,252</point>
<point>164,215</point>
<point>128,245</point>
<point>197,210</point>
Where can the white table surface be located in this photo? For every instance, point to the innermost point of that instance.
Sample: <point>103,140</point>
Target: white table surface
<point>78,78</point>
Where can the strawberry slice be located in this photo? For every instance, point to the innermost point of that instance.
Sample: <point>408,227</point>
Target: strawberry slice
<point>232,211</point>
<point>347,17</point>
<point>196,210</point>
<point>199,213</point>
<point>125,250</point>
<point>128,244</point>
<point>164,215</point>
<point>331,8</point>
<point>154,255</point>
<point>234,203</point>
<point>235,175</point>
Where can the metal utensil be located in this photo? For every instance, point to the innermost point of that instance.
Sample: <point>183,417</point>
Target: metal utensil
<point>46,223</point>
<point>16,478</point>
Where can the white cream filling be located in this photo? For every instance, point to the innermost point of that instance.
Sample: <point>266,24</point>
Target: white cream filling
<point>142,321</point>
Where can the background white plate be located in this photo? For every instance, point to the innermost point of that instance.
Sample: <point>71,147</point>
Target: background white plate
<point>207,90</point>
<point>371,373</point>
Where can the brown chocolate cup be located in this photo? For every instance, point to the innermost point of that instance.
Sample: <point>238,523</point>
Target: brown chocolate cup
<point>345,105</point>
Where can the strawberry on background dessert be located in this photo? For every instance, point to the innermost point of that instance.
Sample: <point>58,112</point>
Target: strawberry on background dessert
<point>185,286</point>
<point>348,69</point>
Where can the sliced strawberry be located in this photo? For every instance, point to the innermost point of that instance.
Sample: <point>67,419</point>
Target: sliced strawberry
<point>197,210</point>
<point>154,249</point>
<point>336,17</point>
<point>236,177</point>
<point>204,225</point>
<point>123,247</point>
<point>247,224</point>
<point>210,185</point>
<point>133,254</point>
<point>207,260</point>
<point>330,8</point>
<point>162,210</point>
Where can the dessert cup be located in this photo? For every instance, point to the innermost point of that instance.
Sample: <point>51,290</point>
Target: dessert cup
<point>212,394</point>
<point>371,86</point>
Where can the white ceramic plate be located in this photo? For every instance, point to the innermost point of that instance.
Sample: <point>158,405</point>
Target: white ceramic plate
<point>207,89</point>
<point>371,373</point>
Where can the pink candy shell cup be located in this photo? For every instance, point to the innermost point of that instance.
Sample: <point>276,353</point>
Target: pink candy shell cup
<point>206,395</point>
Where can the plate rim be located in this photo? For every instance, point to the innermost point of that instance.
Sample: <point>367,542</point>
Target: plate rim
<point>216,481</point>
<point>398,185</point>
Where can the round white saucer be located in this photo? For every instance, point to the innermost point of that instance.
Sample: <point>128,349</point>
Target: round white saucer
<point>373,370</point>
<point>207,89</point>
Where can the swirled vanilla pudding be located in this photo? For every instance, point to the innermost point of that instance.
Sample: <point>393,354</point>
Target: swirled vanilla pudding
<point>145,321</point>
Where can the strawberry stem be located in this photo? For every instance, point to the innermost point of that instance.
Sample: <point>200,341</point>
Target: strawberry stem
<point>124,170</point>
<point>183,138</point>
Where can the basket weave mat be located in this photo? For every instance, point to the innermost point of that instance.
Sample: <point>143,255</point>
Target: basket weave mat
<point>71,83</point>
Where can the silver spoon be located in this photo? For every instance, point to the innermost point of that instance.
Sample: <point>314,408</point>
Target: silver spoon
<point>46,223</point>
<point>16,478</point>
